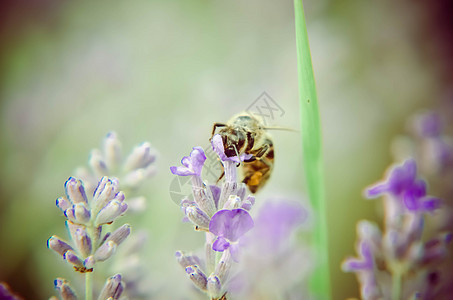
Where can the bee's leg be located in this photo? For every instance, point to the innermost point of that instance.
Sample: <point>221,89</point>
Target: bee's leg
<point>221,175</point>
<point>214,127</point>
<point>258,170</point>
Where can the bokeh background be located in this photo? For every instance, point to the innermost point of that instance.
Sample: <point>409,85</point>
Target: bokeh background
<point>165,71</point>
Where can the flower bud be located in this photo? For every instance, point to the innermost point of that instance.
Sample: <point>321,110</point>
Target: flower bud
<point>63,204</point>
<point>119,235</point>
<point>75,191</point>
<point>97,163</point>
<point>110,212</point>
<point>198,217</point>
<point>57,245</point>
<point>197,277</point>
<point>113,288</point>
<point>81,213</point>
<point>186,260</point>
<point>214,287</point>
<point>72,258</point>
<point>66,292</point>
<point>112,150</point>
<point>105,251</point>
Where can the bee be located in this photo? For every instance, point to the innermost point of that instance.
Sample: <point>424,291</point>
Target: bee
<point>245,133</point>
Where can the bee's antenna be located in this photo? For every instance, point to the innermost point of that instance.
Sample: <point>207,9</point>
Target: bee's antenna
<point>281,128</point>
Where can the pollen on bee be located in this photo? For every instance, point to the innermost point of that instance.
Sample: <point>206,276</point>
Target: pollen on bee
<point>255,179</point>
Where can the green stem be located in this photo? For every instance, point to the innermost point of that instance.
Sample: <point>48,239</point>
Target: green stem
<point>88,285</point>
<point>396,285</point>
<point>312,154</point>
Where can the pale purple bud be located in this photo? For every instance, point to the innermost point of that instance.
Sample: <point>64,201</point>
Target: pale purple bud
<point>197,277</point>
<point>140,157</point>
<point>72,258</point>
<point>75,191</point>
<point>198,217</point>
<point>210,254</point>
<point>97,163</point>
<point>119,196</point>
<point>66,292</point>
<point>228,188</point>
<point>106,191</point>
<point>186,260</point>
<point>241,192</point>
<point>119,235</point>
<point>57,245</point>
<point>247,205</point>
<point>105,251</point>
<point>110,212</point>
<point>223,267</point>
<point>70,214</point>
<point>113,288</point>
<point>82,241</point>
<point>89,262</point>
<point>204,202</point>
<point>232,202</point>
<point>63,204</point>
<point>214,287</point>
<point>112,150</point>
<point>81,213</point>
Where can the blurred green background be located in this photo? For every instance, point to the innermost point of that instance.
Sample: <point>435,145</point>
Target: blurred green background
<point>165,71</point>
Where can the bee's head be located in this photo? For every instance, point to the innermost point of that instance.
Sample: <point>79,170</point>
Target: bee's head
<point>233,142</point>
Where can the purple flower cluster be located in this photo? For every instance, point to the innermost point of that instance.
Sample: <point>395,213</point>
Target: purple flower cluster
<point>219,211</point>
<point>403,186</point>
<point>85,218</point>
<point>397,263</point>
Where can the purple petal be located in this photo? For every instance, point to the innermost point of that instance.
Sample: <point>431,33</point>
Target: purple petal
<point>235,253</point>
<point>376,190</point>
<point>181,171</point>
<point>364,263</point>
<point>193,164</point>
<point>215,190</point>
<point>399,179</point>
<point>231,224</point>
<point>402,176</point>
<point>430,203</point>
<point>220,244</point>
<point>217,146</point>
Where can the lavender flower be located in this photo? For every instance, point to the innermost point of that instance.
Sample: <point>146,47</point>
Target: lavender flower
<point>85,220</point>
<point>219,211</point>
<point>395,264</point>
<point>192,164</point>
<point>404,186</point>
<point>229,226</point>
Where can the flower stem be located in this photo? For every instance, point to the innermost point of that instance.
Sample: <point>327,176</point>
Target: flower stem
<point>312,154</point>
<point>88,285</point>
<point>396,285</point>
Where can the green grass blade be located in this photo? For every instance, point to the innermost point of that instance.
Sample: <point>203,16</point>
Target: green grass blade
<point>312,154</point>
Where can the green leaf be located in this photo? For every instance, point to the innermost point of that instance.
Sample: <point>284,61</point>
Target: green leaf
<point>312,154</point>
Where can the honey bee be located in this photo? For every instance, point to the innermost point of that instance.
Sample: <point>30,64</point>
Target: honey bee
<point>245,133</point>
